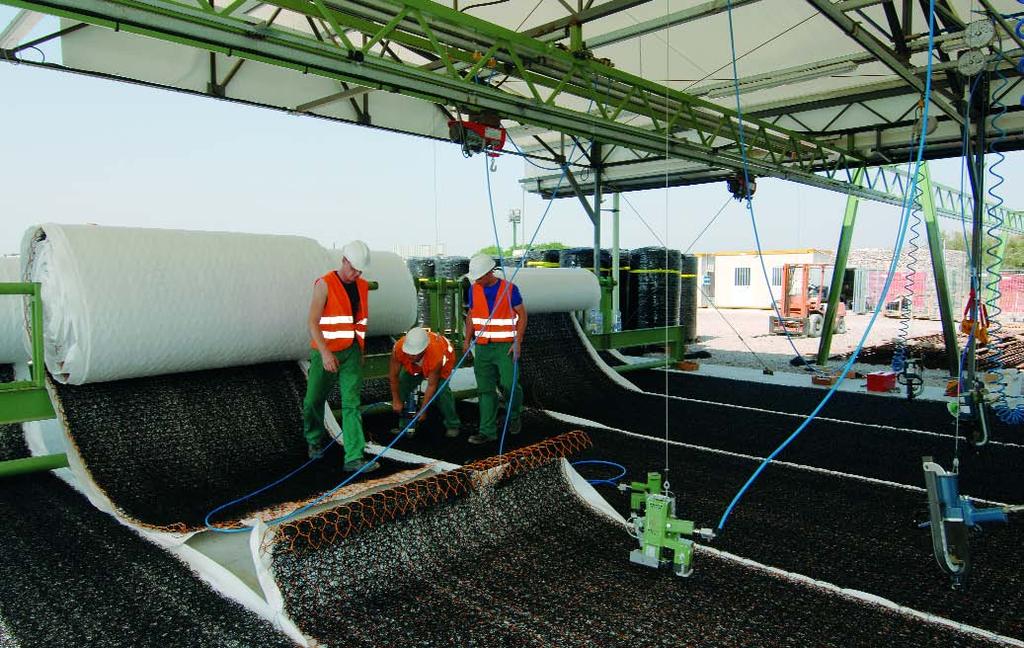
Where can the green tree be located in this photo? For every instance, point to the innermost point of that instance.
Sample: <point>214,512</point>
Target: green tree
<point>493,249</point>
<point>1013,257</point>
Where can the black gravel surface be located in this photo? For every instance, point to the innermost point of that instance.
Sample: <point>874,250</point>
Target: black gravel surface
<point>529,564</point>
<point>558,374</point>
<point>168,449</point>
<point>862,407</point>
<point>12,439</point>
<point>72,576</point>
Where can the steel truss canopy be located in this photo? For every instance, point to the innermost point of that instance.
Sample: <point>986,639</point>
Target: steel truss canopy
<point>827,86</point>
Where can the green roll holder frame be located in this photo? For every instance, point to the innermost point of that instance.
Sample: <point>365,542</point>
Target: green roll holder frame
<point>28,400</point>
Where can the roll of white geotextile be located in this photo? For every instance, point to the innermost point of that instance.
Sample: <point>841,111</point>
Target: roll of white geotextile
<point>125,302</point>
<point>556,290</point>
<point>13,347</point>
<point>393,304</point>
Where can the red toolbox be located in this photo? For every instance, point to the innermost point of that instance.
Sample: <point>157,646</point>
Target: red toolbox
<point>881,381</point>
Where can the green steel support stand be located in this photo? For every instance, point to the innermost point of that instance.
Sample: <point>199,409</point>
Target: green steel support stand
<point>595,160</point>
<point>842,255</point>
<point>29,465</point>
<point>616,304</point>
<point>27,400</point>
<point>939,270</point>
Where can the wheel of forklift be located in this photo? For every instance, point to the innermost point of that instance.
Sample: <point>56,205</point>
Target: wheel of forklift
<point>841,326</point>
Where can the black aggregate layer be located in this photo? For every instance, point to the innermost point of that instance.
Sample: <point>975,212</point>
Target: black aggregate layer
<point>559,375</point>
<point>169,449</point>
<point>72,576</point>
<point>12,439</point>
<point>863,407</point>
<point>529,564</point>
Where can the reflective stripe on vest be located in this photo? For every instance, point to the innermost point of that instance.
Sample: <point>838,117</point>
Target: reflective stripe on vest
<point>338,323</point>
<point>496,326</point>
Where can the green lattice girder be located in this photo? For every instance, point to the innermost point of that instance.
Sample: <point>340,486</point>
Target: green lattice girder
<point>559,82</point>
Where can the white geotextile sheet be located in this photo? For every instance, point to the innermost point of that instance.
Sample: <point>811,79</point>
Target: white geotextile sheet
<point>125,302</point>
<point>556,290</point>
<point>13,343</point>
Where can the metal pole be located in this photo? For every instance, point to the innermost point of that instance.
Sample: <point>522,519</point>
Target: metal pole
<point>976,170</point>
<point>28,465</point>
<point>842,255</point>
<point>939,269</point>
<point>595,157</point>
<point>616,307</point>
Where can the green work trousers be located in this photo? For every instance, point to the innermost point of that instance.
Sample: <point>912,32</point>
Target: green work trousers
<point>349,379</point>
<point>493,366</point>
<point>444,400</point>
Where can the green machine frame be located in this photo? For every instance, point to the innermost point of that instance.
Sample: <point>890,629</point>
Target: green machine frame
<point>28,400</point>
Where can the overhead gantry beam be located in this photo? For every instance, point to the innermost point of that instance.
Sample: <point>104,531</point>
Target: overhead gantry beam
<point>557,82</point>
<point>883,53</point>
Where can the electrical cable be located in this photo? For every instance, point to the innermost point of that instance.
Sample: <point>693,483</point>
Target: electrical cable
<point>904,222</point>
<point>746,186</point>
<point>613,481</point>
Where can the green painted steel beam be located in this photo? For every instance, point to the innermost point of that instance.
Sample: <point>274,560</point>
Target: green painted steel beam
<point>935,249</point>
<point>681,125</point>
<point>22,401</point>
<point>15,467</point>
<point>842,255</point>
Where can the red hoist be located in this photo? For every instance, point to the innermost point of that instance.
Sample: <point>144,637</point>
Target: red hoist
<point>482,132</point>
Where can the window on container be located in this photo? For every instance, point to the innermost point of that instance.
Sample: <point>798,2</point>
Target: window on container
<point>742,277</point>
<point>777,276</point>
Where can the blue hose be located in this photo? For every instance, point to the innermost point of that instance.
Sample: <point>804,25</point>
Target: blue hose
<point>613,481</point>
<point>904,221</point>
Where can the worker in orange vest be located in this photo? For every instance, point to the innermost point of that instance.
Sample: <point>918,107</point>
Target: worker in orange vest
<point>338,316</point>
<point>497,320</point>
<point>423,355</point>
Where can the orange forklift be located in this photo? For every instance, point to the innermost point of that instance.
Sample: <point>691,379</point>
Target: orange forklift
<point>804,300</point>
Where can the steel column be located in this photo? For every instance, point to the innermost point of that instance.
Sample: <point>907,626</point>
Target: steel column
<point>939,270</point>
<point>842,255</point>
<point>616,305</point>
<point>595,156</point>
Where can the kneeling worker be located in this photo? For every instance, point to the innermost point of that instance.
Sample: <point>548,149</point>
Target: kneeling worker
<point>497,319</point>
<point>422,354</point>
<point>338,316</point>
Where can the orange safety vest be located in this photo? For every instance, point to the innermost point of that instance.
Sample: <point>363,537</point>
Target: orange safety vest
<point>439,352</point>
<point>338,324</point>
<point>497,326</point>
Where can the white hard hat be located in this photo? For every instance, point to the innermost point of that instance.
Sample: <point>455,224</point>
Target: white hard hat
<point>358,255</point>
<point>480,265</point>
<point>416,341</point>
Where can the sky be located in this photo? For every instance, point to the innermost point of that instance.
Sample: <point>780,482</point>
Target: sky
<point>85,150</point>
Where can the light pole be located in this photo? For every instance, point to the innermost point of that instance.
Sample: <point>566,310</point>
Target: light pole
<point>515,216</point>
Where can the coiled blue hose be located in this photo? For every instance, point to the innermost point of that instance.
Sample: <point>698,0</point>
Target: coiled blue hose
<point>1005,413</point>
<point>612,481</point>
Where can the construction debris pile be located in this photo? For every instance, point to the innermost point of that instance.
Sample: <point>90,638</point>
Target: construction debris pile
<point>931,349</point>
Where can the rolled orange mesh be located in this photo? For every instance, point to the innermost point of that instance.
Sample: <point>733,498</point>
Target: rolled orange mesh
<point>399,501</point>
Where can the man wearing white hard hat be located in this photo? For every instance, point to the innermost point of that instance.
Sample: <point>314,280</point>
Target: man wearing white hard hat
<point>497,321</point>
<point>338,317</point>
<point>423,355</point>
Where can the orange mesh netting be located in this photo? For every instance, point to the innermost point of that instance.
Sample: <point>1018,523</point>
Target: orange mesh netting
<point>399,501</point>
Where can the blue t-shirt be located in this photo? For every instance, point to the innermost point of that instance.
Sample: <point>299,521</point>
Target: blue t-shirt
<point>491,293</point>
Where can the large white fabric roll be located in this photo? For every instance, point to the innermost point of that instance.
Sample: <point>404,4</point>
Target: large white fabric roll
<point>556,290</point>
<point>129,302</point>
<point>393,304</point>
<point>13,344</point>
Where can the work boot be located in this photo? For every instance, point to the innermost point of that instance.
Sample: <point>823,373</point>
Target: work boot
<point>515,426</point>
<point>479,439</point>
<point>451,433</point>
<point>410,433</point>
<point>354,466</point>
<point>315,450</point>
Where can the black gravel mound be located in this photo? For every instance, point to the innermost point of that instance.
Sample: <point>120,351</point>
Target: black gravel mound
<point>12,440</point>
<point>866,408</point>
<point>72,576</point>
<point>558,374</point>
<point>529,564</point>
<point>168,449</point>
